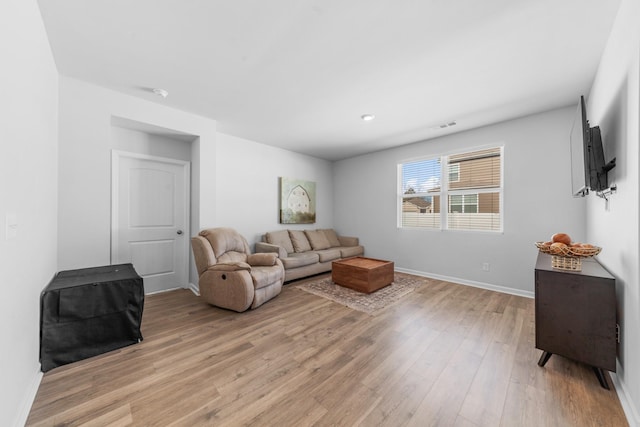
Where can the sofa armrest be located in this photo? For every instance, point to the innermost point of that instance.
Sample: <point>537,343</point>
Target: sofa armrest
<point>348,241</point>
<point>262,259</point>
<point>229,266</point>
<point>262,247</point>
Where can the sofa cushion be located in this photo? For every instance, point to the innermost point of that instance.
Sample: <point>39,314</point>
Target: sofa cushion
<point>329,254</point>
<point>300,260</point>
<point>299,240</point>
<point>350,251</point>
<point>280,238</point>
<point>317,240</point>
<point>331,236</point>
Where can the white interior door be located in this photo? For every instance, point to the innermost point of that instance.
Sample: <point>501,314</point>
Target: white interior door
<point>150,197</point>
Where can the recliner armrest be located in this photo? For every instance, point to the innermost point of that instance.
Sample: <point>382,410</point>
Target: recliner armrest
<point>262,259</point>
<point>229,266</point>
<point>262,247</point>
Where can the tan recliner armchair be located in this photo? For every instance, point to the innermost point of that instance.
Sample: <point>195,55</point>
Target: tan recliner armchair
<point>230,276</point>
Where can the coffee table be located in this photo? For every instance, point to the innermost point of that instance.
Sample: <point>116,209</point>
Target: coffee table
<point>362,274</point>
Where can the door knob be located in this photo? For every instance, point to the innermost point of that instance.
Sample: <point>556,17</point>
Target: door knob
<point>179,231</point>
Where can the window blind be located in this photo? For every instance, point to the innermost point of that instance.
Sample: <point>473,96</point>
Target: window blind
<point>420,193</point>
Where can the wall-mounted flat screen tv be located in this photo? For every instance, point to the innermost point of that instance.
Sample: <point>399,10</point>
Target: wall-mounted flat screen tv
<point>588,167</point>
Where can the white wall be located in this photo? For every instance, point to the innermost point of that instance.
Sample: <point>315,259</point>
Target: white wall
<point>537,203</point>
<point>227,172</point>
<point>614,105</point>
<point>247,192</point>
<point>155,145</point>
<point>87,136</point>
<point>28,189</point>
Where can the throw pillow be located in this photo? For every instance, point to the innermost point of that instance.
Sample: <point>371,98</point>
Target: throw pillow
<point>280,238</point>
<point>299,240</point>
<point>317,240</point>
<point>332,237</point>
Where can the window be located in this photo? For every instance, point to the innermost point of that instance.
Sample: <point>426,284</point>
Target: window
<point>463,203</point>
<point>454,172</point>
<point>420,193</point>
<point>470,199</point>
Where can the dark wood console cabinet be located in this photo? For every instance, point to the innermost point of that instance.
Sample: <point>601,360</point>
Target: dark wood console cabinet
<point>576,314</point>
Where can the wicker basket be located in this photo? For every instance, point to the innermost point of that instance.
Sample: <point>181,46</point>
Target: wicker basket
<point>568,258</point>
<point>566,263</point>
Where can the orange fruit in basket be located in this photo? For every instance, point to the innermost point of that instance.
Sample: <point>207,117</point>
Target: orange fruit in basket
<point>562,238</point>
<point>576,248</point>
<point>558,247</point>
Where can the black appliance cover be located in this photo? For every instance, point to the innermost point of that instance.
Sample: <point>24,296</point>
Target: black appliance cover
<point>88,312</point>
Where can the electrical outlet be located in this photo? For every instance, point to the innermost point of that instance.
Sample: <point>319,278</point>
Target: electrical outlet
<point>485,266</point>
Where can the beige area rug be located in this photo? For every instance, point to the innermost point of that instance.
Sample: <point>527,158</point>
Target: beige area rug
<point>373,303</point>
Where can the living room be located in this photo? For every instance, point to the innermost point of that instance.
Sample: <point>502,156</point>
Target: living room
<point>59,132</point>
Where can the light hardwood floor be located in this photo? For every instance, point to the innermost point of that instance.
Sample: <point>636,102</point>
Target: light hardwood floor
<point>444,355</point>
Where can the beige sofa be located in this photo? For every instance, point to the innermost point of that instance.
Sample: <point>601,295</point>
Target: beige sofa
<point>307,252</point>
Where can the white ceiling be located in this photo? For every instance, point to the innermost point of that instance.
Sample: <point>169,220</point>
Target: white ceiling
<point>298,74</point>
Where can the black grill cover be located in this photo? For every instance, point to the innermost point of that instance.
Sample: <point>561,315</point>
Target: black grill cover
<point>88,312</point>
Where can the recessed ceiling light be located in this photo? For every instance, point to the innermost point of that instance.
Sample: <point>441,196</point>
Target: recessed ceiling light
<point>161,92</point>
<point>367,117</point>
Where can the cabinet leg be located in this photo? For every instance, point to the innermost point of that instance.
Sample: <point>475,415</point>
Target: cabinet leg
<point>544,358</point>
<point>601,377</point>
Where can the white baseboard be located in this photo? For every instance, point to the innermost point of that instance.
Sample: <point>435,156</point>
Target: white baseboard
<point>631,412</point>
<point>488,286</point>
<point>29,398</point>
<point>194,289</point>
<point>161,291</point>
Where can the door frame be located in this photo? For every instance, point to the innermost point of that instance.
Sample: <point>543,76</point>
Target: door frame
<point>116,155</point>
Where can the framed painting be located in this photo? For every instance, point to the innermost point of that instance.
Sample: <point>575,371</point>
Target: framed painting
<point>297,201</point>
